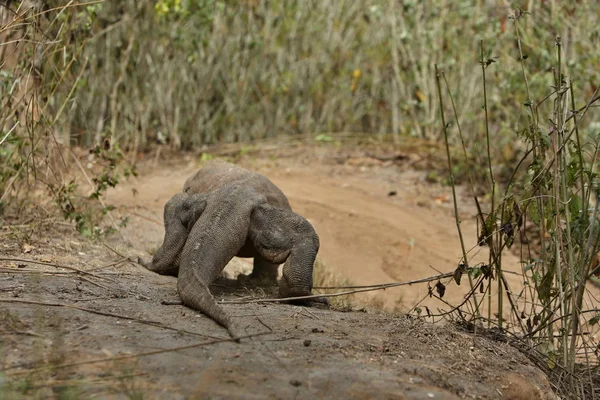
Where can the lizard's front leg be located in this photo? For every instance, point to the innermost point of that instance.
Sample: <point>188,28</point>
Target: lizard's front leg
<point>283,236</point>
<point>264,273</point>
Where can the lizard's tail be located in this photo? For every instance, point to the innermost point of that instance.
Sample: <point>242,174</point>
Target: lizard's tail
<point>196,295</point>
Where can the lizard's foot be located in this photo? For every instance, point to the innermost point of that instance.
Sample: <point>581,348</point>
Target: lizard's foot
<point>169,270</point>
<point>320,302</point>
<point>257,280</point>
<point>144,263</point>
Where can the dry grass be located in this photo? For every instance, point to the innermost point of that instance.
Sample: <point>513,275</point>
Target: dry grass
<point>325,277</point>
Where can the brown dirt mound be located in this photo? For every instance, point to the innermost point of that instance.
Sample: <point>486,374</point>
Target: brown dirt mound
<point>56,319</point>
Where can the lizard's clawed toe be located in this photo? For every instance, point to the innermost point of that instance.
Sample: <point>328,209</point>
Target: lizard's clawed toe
<point>144,263</point>
<point>320,302</point>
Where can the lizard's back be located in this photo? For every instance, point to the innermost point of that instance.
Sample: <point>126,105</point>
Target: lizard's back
<point>216,174</point>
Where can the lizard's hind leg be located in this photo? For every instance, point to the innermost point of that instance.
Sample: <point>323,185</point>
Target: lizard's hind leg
<point>180,214</point>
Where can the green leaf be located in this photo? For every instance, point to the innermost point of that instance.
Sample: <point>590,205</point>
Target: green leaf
<point>323,138</point>
<point>206,157</point>
<point>576,206</point>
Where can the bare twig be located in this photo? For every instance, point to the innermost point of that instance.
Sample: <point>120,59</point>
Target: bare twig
<point>8,133</point>
<point>25,333</point>
<point>366,288</point>
<point>128,356</point>
<point>106,314</point>
<point>55,265</point>
<point>112,264</point>
<point>392,284</point>
<point>147,218</point>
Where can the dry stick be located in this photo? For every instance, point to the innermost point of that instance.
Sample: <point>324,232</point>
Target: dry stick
<point>26,333</point>
<point>113,264</point>
<point>106,314</point>
<point>484,64</point>
<point>89,3</point>
<point>124,357</point>
<point>35,271</point>
<point>8,133</point>
<point>467,161</point>
<point>580,287</point>
<point>365,289</point>
<point>125,258</point>
<point>88,382</point>
<point>560,195</point>
<point>16,19</point>
<point>147,218</point>
<point>35,223</point>
<point>24,260</point>
<point>50,273</point>
<point>438,75</point>
<point>94,283</point>
<point>113,250</point>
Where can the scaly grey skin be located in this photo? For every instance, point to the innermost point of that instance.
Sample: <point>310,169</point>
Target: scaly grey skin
<point>180,214</point>
<point>238,213</point>
<point>214,175</point>
<point>247,217</point>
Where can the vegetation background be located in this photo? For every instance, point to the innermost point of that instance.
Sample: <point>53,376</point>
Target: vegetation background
<point>98,82</point>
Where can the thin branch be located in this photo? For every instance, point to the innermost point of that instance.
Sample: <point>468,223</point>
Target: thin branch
<point>106,314</point>
<point>9,132</point>
<point>128,356</point>
<point>366,288</point>
<point>48,264</point>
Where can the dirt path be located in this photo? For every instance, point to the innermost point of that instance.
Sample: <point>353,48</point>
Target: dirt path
<point>367,236</point>
<point>58,319</point>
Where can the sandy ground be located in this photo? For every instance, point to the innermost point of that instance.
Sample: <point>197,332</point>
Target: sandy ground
<point>367,235</point>
<point>99,329</point>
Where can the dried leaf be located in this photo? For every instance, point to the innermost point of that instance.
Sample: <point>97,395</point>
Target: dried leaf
<point>27,248</point>
<point>487,271</point>
<point>421,97</point>
<point>509,231</point>
<point>440,288</point>
<point>458,274</point>
<point>518,215</point>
